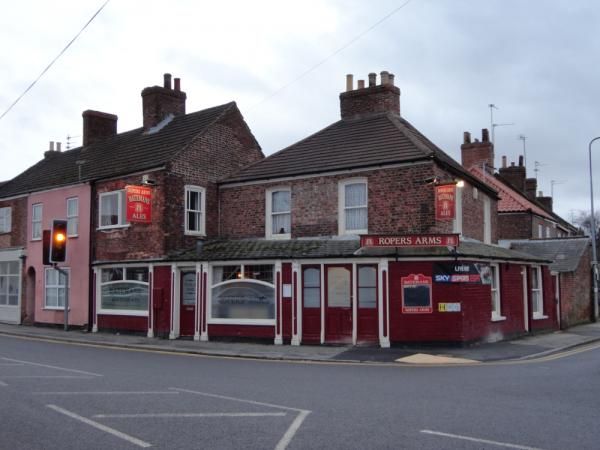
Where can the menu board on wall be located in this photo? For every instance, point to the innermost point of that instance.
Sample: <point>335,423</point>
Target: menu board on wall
<point>416,294</point>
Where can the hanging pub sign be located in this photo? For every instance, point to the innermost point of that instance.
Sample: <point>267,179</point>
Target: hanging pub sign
<point>410,240</point>
<point>416,294</point>
<point>445,202</point>
<point>139,203</point>
<point>461,272</point>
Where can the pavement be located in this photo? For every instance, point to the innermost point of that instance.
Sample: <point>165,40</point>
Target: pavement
<point>527,347</point>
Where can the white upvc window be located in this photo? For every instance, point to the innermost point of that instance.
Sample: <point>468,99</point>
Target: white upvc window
<point>537,294</point>
<point>278,213</point>
<point>124,290</point>
<point>112,209</point>
<point>353,217</point>
<point>195,210</point>
<point>9,283</point>
<point>5,219</point>
<point>495,291</point>
<point>55,288</point>
<point>72,216</point>
<point>36,221</point>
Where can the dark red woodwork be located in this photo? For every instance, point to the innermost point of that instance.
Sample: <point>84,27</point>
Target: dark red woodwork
<point>311,316</point>
<point>187,312</point>
<point>338,319</point>
<point>251,331</point>
<point>161,291</point>
<point>367,320</point>
<point>122,323</point>
<point>286,302</point>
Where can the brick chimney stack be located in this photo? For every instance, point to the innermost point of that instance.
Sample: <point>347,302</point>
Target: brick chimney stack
<point>514,175</point>
<point>531,188</point>
<point>98,125</point>
<point>160,101</point>
<point>373,99</point>
<point>476,154</point>
<point>546,201</point>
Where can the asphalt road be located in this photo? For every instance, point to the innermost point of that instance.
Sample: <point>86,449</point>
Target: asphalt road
<point>60,396</point>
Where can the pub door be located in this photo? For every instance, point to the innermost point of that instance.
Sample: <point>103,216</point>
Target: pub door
<point>187,296</point>
<point>368,320</point>
<point>338,303</point>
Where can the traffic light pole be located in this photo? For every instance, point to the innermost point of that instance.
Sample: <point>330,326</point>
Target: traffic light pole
<point>66,275</point>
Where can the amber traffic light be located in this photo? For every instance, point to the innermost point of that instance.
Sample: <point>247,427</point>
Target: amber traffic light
<point>58,241</point>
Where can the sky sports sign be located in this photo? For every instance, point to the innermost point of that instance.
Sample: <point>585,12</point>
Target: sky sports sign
<point>460,272</point>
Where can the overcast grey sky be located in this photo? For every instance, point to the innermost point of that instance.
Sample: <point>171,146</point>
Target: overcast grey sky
<point>537,60</point>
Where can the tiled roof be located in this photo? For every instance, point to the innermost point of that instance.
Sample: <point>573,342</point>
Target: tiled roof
<point>374,140</point>
<point>253,249</point>
<point>123,153</point>
<point>566,253</point>
<point>510,199</point>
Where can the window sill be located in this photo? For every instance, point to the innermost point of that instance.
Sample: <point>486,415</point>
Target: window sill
<point>113,227</point>
<point>36,239</point>
<point>195,233</point>
<point>498,318</point>
<point>279,237</point>
<point>537,316</point>
<point>54,308</point>
<point>71,236</point>
<point>121,312</point>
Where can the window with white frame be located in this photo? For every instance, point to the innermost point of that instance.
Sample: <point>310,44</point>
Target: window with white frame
<point>195,201</point>
<point>537,298</point>
<point>55,288</point>
<point>243,293</point>
<point>112,209</point>
<point>124,290</point>
<point>36,221</point>
<point>540,230</point>
<point>353,209</point>
<point>311,287</point>
<point>495,291</point>
<point>9,283</point>
<point>5,219</point>
<point>279,213</point>
<point>72,216</point>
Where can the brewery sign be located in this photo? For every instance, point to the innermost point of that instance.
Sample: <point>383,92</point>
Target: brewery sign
<point>139,204</point>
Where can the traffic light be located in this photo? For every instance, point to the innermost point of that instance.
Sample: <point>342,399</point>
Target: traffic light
<point>58,241</point>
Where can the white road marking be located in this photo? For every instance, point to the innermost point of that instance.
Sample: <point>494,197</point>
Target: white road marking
<point>290,432</point>
<point>109,393</point>
<point>10,364</point>
<point>482,441</point>
<point>3,384</point>
<point>83,372</point>
<point>101,427</point>
<point>169,415</point>
<point>46,376</point>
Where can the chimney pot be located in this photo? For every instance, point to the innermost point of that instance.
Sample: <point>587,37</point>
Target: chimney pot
<point>372,79</point>
<point>58,145</point>
<point>391,77</point>
<point>504,161</point>
<point>385,77</point>
<point>466,137</point>
<point>178,84</point>
<point>512,164</point>
<point>520,160</point>
<point>167,81</point>
<point>540,193</point>
<point>51,148</point>
<point>361,84</point>
<point>485,135</point>
<point>349,82</point>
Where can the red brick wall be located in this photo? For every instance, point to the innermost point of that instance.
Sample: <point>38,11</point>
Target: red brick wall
<point>399,202</point>
<point>374,99</point>
<point>514,226</point>
<point>511,304</point>
<point>575,293</point>
<point>549,303</point>
<point>18,234</point>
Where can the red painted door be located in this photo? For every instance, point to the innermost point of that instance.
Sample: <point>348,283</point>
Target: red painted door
<point>368,319</point>
<point>338,301</point>
<point>311,304</point>
<point>187,307</point>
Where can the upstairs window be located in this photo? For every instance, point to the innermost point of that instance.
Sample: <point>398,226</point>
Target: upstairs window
<point>5,219</point>
<point>195,216</point>
<point>353,209</point>
<point>72,217</point>
<point>36,221</point>
<point>279,214</point>
<point>112,209</point>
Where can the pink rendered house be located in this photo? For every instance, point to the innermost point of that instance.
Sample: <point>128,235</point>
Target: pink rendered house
<point>45,286</point>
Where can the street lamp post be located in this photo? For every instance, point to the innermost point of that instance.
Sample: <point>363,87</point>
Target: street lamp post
<point>593,226</point>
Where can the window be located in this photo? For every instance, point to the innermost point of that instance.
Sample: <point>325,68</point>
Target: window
<point>495,289</point>
<point>537,298</point>
<point>194,210</point>
<point>547,231</point>
<point>243,294</point>
<point>367,287</point>
<point>56,289</point>
<point>540,231</point>
<point>36,221</point>
<point>475,193</point>
<point>353,210</point>
<point>279,216</point>
<point>9,283</point>
<point>311,292</point>
<point>72,216</point>
<point>5,216</point>
<point>487,220</point>
<point>124,290</point>
<point>112,209</point>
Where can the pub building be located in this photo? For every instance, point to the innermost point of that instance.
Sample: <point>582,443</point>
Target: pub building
<point>364,232</point>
